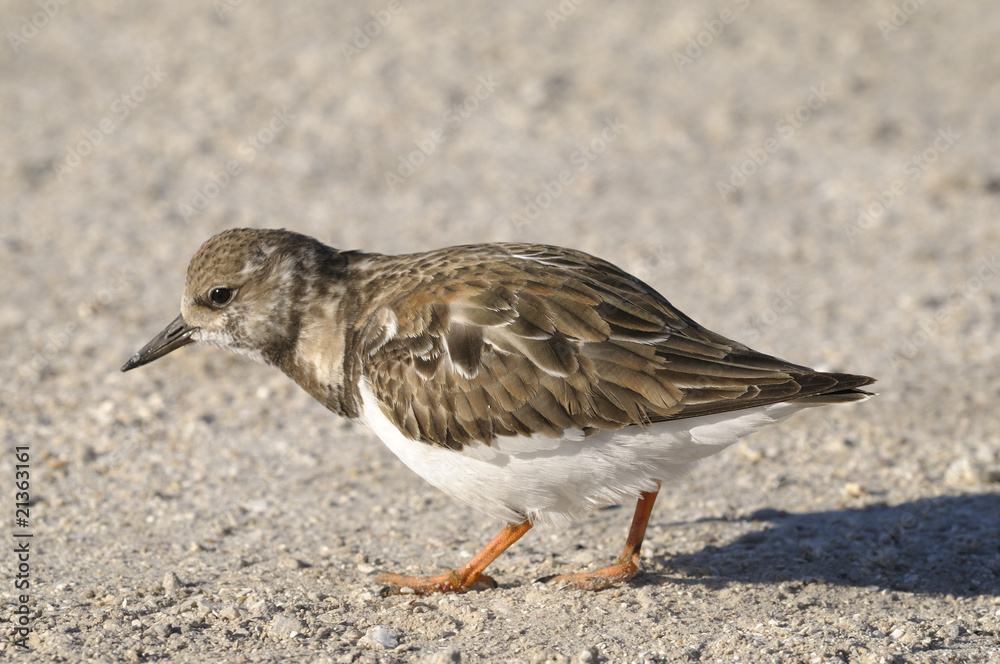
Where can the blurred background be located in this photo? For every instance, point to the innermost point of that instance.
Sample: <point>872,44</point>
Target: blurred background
<point>818,180</point>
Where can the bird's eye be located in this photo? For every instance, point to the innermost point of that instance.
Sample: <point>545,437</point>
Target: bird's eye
<point>221,296</point>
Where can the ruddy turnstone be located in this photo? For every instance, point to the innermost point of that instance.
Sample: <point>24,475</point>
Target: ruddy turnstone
<point>534,383</point>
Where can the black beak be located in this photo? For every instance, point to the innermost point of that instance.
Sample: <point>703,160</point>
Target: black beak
<point>173,336</point>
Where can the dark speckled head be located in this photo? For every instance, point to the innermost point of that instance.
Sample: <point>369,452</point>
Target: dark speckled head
<point>244,292</point>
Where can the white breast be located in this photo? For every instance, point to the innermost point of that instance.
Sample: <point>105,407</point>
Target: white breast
<point>557,481</point>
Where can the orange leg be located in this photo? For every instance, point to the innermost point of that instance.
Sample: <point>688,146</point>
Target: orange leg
<point>627,564</point>
<point>461,579</point>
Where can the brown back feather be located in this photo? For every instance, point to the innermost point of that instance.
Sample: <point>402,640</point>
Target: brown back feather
<point>506,339</point>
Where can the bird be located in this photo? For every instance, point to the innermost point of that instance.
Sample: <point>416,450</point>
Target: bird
<point>534,383</point>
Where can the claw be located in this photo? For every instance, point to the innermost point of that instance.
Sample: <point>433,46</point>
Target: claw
<point>622,570</point>
<point>449,582</point>
<point>455,581</point>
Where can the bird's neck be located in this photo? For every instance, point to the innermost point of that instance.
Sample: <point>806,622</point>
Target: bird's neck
<point>319,361</point>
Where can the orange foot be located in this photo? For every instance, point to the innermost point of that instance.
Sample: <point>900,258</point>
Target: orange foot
<point>451,582</point>
<point>621,571</point>
<point>461,579</point>
<point>627,564</point>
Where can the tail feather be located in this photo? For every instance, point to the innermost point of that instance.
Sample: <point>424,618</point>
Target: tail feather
<point>804,388</point>
<point>841,388</point>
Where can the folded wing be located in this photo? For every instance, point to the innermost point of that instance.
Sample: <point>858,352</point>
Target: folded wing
<point>527,339</point>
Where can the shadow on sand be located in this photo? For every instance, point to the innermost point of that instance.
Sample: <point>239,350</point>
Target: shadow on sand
<point>948,545</point>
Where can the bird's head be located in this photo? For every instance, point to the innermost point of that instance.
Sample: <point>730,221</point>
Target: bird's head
<point>245,291</point>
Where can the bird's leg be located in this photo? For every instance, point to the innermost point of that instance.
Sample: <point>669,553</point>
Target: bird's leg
<point>461,579</point>
<point>627,564</point>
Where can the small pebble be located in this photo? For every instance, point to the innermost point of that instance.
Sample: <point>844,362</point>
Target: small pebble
<point>288,562</point>
<point>380,637</point>
<point>284,626</point>
<point>230,613</point>
<point>163,630</point>
<point>171,584</point>
<point>261,608</point>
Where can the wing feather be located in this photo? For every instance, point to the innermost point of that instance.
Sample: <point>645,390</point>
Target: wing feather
<point>505,339</point>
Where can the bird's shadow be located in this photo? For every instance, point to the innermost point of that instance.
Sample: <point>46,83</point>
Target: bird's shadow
<point>946,545</point>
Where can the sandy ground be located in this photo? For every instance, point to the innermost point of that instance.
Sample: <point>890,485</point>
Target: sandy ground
<point>819,180</point>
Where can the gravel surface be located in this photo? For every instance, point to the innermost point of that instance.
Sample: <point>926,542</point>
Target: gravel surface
<point>819,180</point>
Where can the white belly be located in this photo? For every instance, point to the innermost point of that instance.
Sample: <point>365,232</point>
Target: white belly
<point>557,481</point>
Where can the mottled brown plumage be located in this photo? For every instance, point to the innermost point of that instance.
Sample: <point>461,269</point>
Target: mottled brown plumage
<point>516,339</point>
<point>533,382</point>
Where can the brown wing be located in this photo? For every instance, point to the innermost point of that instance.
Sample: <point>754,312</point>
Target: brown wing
<point>525,339</point>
